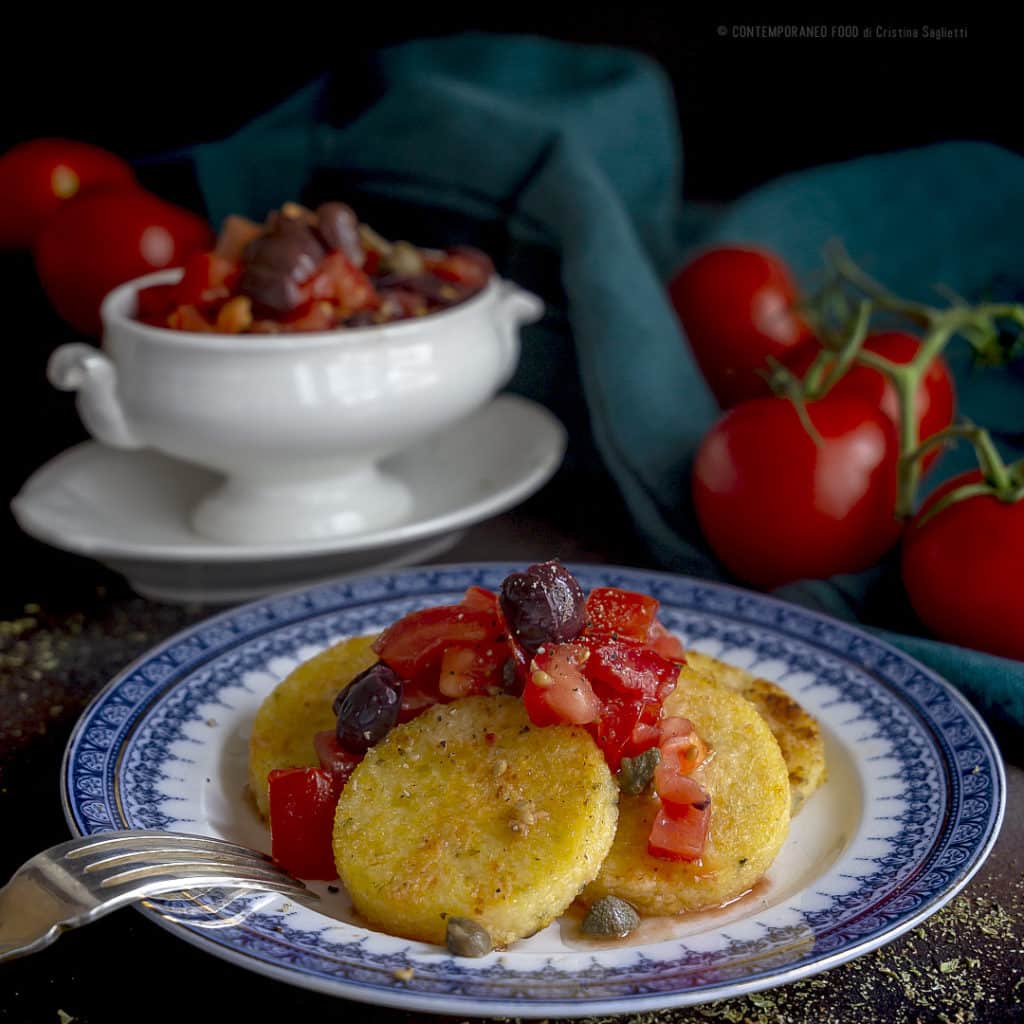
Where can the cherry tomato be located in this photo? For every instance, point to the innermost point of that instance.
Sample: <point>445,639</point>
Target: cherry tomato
<point>102,239</point>
<point>38,177</point>
<point>736,306</point>
<point>936,396</point>
<point>302,805</point>
<point>777,504</point>
<point>961,570</point>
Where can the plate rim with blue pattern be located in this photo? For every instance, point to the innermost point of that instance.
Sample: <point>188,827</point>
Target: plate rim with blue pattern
<point>920,752</point>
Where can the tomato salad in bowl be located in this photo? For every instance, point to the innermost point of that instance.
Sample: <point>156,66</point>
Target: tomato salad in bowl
<point>310,270</point>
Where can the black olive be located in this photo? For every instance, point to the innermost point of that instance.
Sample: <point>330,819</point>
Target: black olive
<point>545,604</point>
<point>338,228</point>
<point>368,707</point>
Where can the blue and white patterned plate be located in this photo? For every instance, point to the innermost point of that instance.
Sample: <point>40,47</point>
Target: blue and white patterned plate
<point>911,808</point>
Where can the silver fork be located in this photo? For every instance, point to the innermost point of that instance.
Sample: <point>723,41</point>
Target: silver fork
<point>81,880</point>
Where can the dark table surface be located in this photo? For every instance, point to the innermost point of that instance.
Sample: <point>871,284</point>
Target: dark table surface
<point>76,625</point>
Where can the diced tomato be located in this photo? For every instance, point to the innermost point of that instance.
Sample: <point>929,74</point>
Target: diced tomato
<point>630,670</point>
<point>667,644</point>
<point>626,728</point>
<point>557,691</point>
<point>674,725</point>
<point>341,282</point>
<point>417,698</point>
<point>480,599</point>
<point>155,303</point>
<point>684,752</point>
<point>302,806</point>
<point>622,614</point>
<point>463,265</point>
<point>208,279</point>
<point>465,671</point>
<point>335,758</point>
<point>414,645</point>
<point>679,837</point>
<point>676,790</point>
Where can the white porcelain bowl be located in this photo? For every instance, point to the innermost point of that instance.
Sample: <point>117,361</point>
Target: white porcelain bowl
<point>296,423</point>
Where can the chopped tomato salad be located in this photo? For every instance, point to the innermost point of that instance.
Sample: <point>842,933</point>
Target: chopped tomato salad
<point>602,662</point>
<point>310,270</point>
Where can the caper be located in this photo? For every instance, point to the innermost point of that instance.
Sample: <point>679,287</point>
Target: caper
<point>466,937</point>
<point>610,917</point>
<point>635,773</point>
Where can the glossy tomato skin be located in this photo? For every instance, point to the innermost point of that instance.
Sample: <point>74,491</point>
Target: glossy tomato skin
<point>302,804</point>
<point>777,506</point>
<point>935,402</point>
<point>102,239</point>
<point>39,176</point>
<point>961,570</point>
<point>736,306</point>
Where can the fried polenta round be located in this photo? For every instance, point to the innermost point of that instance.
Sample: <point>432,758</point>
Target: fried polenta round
<point>747,780</point>
<point>298,708</point>
<point>798,734</point>
<point>470,811</point>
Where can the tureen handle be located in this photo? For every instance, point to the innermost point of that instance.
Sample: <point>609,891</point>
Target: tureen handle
<point>516,306</point>
<point>88,371</point>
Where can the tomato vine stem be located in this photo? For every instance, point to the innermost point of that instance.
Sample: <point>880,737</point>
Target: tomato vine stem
<point>978,325</point>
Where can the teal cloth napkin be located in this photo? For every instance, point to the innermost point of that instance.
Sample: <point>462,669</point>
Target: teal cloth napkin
<point>572,155</point>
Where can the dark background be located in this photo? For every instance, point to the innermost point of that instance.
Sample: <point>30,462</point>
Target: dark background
<point>750,109</point>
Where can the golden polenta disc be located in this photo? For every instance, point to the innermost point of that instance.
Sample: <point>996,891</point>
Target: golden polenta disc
<point>747,780</point>
<point>471,811</point>
<point>797,732</point>
<point>298,708</point>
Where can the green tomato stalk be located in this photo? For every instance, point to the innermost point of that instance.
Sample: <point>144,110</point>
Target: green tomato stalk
<point>978,324</point>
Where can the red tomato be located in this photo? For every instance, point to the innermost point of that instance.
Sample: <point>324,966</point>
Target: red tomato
<point>676,790</point>
<point>630,670</point>
<point>936,396</point>
<point>679,837</point>
<point>778,505</point>
<point>736,307</point>
<point>102,239</point>
<point>626,728</point>
<point>463,265</point>
<point>667,644</point>
<point>37,177</point>
<point>961,569</point>
<point>557,691</point>
<point>415,644</point>
<point>302,805</point>
<point>620,613</point>
<point>341,282</point>
<point>208,279</point>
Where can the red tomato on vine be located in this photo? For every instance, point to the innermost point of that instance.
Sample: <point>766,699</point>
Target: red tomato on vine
<point>778,504</point>
<point>962,569</point>
<point>736,305</point>
<point>934,403</point>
